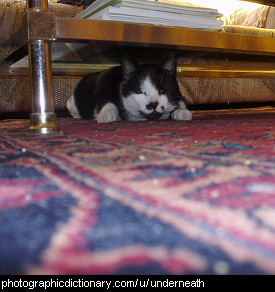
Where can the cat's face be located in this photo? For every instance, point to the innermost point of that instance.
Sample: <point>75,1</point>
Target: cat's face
<point>149,92</point>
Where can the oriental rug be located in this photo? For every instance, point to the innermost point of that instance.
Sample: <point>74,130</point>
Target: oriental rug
<point>160,197</point>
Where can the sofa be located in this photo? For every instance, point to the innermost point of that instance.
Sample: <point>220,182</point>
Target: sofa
<point>15,92</point>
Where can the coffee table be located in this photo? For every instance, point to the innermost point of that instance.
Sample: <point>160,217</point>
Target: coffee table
<point>42,28</point>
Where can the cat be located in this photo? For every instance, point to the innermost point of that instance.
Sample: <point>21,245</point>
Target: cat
<point>130,92</point>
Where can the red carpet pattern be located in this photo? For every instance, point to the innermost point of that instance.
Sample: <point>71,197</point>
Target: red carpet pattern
<point>161,197</point>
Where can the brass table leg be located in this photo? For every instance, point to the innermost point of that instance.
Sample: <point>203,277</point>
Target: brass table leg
<point>42,118</point>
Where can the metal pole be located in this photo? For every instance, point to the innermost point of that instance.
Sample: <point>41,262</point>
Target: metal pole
<point>42,118</point>
<point>40,5</point>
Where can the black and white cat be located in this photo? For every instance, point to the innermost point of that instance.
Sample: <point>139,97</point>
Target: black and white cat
<point>130,92</point>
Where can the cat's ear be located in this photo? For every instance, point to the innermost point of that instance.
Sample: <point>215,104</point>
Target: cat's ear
<point>128,66</point>
<point>170,63</point>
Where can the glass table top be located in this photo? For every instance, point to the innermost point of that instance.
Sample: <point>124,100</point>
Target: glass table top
<point>81,46</point>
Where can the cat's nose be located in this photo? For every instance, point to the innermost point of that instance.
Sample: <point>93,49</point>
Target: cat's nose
<point>152,105</point>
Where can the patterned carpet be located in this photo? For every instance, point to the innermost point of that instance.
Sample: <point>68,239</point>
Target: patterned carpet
<point>161,197</point>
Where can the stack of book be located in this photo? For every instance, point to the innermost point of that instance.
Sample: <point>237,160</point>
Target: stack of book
<point>152,12</point>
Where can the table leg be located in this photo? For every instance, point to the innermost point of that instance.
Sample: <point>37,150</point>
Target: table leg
<point>42,118</point>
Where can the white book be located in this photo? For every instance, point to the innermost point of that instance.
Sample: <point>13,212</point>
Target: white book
<point>163,22</point>
<point>146,4</point>
<point>142,13</point>
<point>166,7</point>
<point>151,12</point>
<point>97,6</point>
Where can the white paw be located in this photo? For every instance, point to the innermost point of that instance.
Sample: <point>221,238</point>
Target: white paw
<point>181,115</point>
<point>109,113</point>
<point>107,116</point>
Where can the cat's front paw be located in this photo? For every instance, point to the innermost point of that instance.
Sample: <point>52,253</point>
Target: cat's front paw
<point>108,114</point>
<point>181,115</point>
